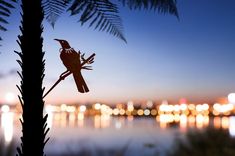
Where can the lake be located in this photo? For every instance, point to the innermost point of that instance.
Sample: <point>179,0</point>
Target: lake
<point>105,135</point>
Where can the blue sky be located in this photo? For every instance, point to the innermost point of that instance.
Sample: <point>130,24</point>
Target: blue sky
<point>165,58</point>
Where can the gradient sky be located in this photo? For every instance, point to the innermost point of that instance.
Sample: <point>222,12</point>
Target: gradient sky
<point>165,58</point>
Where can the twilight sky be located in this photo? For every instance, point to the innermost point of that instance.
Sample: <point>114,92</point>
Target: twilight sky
<point>164,58</point>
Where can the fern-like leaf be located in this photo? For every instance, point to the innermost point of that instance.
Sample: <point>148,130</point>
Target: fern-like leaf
<point>5,11</point>
<point>53,9</point>
<point>101,13</point>
<point>161,6</point>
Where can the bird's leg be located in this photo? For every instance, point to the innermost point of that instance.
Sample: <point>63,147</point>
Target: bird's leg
<point>64,74</point>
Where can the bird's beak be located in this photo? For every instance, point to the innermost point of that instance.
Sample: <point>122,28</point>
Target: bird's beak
<point>57,40</point>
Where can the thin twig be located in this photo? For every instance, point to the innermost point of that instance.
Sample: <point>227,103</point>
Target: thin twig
<point>64,76</point>
<point>58,81</point>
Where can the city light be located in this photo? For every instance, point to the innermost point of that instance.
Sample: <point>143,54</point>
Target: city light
<point>97,106</point>
<point>82,108</point>
<point>10,98</point>
<point>182,114</point>
<point>231,98</point>
<point>5,108</point>
<point>225,109</point>
<point>130,109</point>
<point>63,107</point>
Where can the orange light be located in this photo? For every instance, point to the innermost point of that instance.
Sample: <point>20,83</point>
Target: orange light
<point>191,120</point>
<point>97,106</point>
<point>63,107</point>
<point>115,111</point>
<point>140,112</point>
<point>191,107</point>
<point>80,116</point>
<point>153,112</point>
<point>122,111</point>
<point>205,106</point>
<point>199,121</point>
<point>82,108</point>
<point>177,117</point>
<point>215,113</point>
<point>217,122</point>
<point>225,122</point>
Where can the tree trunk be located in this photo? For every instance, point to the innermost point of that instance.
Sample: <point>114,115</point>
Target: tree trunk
<point>32,63</point>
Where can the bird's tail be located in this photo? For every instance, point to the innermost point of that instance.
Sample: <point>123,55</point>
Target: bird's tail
<point>80,82</point>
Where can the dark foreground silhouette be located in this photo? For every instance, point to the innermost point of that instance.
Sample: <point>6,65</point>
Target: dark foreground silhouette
<point>208,142</point>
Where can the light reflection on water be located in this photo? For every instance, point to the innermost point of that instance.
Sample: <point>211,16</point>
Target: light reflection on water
<point>7,120</point>
<point>232,126</point>
<point>105,130</point>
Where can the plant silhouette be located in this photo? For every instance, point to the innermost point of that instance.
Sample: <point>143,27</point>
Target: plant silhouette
<point>103,14</point>
<point>210,142</point>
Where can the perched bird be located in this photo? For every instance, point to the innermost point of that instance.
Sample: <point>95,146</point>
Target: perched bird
<point>71,60</point>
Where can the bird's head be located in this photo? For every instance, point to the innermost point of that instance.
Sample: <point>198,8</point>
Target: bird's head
<point>64,44</point>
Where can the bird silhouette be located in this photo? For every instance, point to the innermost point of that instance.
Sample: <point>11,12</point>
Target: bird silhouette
<point>71,60</point>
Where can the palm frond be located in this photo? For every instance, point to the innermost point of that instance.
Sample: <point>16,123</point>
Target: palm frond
<point>161,6</point>
<point>101,13</point>
<point>5,11</point>
<point>53,9</point>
